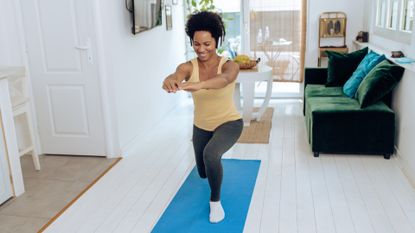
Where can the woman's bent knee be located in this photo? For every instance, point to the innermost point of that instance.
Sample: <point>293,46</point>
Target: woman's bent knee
<point>211,156</point>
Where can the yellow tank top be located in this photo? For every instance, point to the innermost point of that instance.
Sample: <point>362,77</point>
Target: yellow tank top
<point>213,107</point>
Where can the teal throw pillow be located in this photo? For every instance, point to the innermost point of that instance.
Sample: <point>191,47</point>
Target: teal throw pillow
<point>366,65</point>
<point>341,66</point>
<point>378,83</point>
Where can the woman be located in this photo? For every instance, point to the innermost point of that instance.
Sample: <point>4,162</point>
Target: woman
<point>211,80</point>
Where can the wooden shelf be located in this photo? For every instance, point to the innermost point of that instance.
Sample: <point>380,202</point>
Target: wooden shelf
<point>331,36</point>
<point>332,25</point>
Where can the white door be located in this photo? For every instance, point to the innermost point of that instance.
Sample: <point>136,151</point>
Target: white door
<point>61,53</point>
<point>5,185</point>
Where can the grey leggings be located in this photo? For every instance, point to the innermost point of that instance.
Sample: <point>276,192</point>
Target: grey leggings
<point>209,147</point>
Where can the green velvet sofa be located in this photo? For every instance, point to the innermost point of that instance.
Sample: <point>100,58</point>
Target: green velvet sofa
<point>336,124</point>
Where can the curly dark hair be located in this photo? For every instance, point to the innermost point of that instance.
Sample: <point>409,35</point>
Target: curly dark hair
<point>206,21</point>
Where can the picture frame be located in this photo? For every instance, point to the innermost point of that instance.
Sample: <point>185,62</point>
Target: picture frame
<point>145,15</point>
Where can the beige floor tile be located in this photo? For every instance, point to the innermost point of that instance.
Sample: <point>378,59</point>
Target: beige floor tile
<point>65,168</point>
<point>43,198</point>
<point>14,224</point>
<point>98,168</point>
<point>47,164</point>
<point>49,190</point>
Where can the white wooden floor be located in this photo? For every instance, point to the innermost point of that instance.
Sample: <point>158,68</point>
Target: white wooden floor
<point>295,192</point>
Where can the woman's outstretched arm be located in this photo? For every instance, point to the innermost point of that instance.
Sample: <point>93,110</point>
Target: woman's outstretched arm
<point>182,73</point>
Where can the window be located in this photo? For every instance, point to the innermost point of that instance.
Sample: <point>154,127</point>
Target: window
<point>408,15</point>
<point>231,14</point>
<point>393,14</point>
<point>394,19</point>
<point>381,13</point>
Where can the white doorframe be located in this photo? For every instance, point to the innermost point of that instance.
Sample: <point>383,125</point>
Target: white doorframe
<point>107,97</point>
<point>23,52</point>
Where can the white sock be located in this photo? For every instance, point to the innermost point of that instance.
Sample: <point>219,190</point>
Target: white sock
<point>217,213</point>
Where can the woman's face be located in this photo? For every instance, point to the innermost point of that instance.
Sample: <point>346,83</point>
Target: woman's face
<point>204,45</point>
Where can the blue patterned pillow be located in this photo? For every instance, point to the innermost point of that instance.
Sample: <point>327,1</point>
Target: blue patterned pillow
<point>371,60</point>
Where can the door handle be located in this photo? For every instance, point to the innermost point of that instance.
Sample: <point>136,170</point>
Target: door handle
<point>87,48</point>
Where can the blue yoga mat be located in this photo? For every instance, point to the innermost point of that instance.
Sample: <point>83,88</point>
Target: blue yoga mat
<point>188,212</point>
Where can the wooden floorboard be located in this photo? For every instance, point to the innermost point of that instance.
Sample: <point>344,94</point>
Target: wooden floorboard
<point>294,192</point>
<point>358,211</point>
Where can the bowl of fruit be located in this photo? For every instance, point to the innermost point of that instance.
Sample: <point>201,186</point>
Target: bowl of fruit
<point>246,62</point>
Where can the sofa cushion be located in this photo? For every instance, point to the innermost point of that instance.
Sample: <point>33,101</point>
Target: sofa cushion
<point>319,90</point>
<point>315,90</point>
<point>341,66</point>
<point>378,83</point>
<point>343,104</point>
<point>327,104</point>
<point>365,66</point>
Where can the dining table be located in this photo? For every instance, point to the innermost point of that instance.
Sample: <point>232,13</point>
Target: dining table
<point>245,85</point>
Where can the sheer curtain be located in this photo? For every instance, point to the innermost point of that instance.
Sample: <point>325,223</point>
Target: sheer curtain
<point>277,36</point>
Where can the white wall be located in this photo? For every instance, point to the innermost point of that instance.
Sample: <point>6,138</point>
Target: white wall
<point>10,40</point>
<point>136,65</point>
<point>402,100</point>
<point>355,12</point>
<point>405,112</point>
<point>12,54</point>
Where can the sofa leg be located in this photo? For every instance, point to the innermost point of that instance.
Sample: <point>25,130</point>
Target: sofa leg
<point>387,156</point>
<point>316,154</point>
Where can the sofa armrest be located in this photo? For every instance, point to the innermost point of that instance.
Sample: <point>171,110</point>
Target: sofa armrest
<point>315,76</point>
